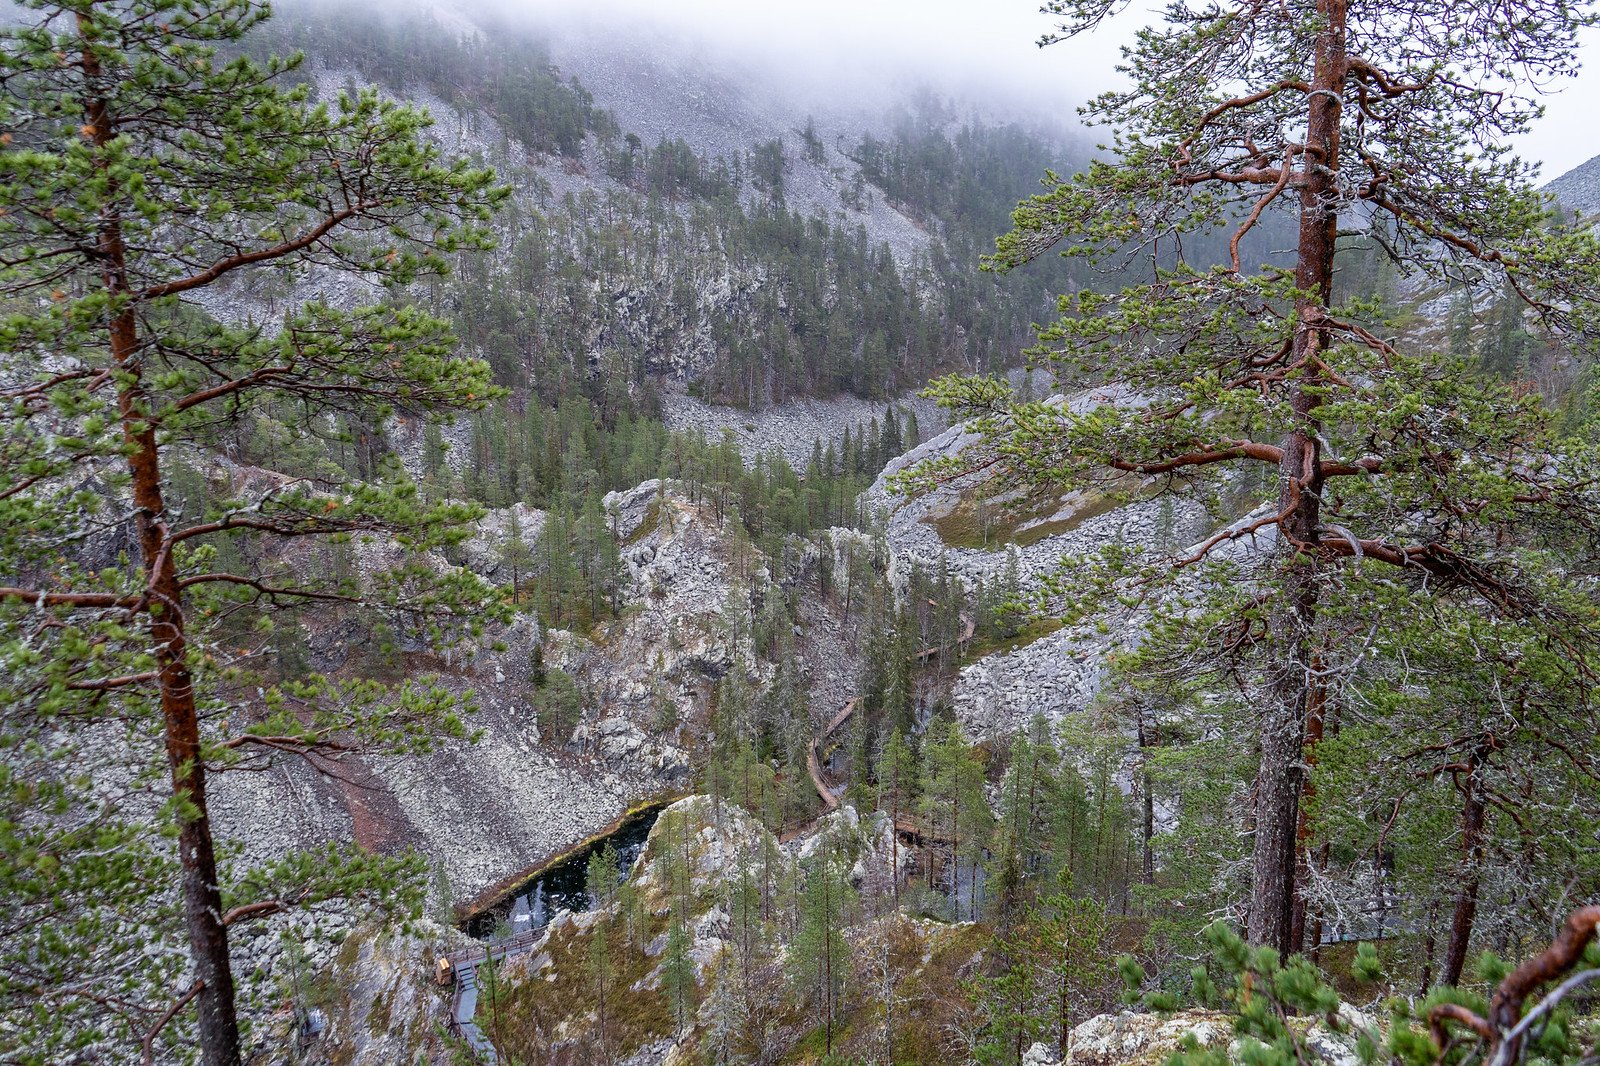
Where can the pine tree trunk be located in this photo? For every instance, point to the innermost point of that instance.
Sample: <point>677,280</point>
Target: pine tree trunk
<point>1466,909</point>
<point>1315,722</point>
<point>1278,784</point>
<point>894,838</point>
<point>1147,827</point>
<point>1428,946</point>
<point>1064,1020</point>
<point>1272,889</point>
<point>217,1028</point>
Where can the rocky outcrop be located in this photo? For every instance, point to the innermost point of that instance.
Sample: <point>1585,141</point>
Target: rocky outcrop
<point>1061,671</point>
<point>376,1004</point>
<point>700,845</point>
<point>1069,524</point>
<point>1136,1039</point>
<point>648,673</point>
<point>485,553</point>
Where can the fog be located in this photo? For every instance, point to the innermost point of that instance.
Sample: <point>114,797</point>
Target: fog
<point>862,54</point>
<point>848,51</point>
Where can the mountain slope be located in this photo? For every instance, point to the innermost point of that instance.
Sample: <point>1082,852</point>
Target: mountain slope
<point>1579,188</point>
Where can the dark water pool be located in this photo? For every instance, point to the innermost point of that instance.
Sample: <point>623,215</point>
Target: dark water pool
<point>562,886</point>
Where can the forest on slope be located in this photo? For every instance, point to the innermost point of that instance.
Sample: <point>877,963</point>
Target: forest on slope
<point>1320,556</point>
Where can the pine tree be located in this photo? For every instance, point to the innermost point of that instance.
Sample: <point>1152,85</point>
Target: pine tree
<point>954,804</point>
<point>515,555</point>
<point>600,971</point>
<point>725,1025</point>
<point>602,876</point>
<point>1026,792</point>
<point>678,970</point>
<point>1050,963</point>
<point>1341,115</point>
<point>143,167</point>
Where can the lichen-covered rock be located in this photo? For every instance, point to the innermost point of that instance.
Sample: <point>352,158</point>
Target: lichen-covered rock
<point>379,1001</point>
<point>485,554</point>
<point>1137,1039</point>
<point>1134,1039</point>
<point>1040,1055</point>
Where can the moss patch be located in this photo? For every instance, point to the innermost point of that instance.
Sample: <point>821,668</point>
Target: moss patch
<point>1037,629</point>
<point>985,521</point>
<point>647,525</point>
<point>553,1014</point>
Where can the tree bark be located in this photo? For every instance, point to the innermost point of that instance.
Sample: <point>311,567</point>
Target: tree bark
<point>1466,909</point>
<point>894,839</point>
<point>1428,946</point>
<point>1063,1020</point>
<point>1278,784</point>
<point>1147,827</point>
<point>1316,717</point>
<point>217,1026</point>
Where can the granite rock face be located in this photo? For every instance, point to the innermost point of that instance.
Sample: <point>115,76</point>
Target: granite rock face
<point>378,1003</point>
<point>789,429</point>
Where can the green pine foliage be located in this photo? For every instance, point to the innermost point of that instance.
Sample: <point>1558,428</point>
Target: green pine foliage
<point>819,956</point>
<point>1394,487</point>
<point>142,165</point>
<point>1399,689</point>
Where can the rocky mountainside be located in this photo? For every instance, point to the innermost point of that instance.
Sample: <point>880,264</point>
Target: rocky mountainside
<point>686,215</point>
<point>584,642</point>
<point>601,982</point>
<point>649,681</point>
<point>1579,188</point>
<point>484,810</point>
<point>985,533</point>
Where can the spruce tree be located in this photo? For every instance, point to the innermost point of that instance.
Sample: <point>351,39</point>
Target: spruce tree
<point>820,956</point>
<point>897,790</point>
<point>142,168</point>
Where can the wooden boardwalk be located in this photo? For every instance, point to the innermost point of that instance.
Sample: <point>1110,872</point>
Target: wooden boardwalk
<point>828,792</point>
<point>464,997</point>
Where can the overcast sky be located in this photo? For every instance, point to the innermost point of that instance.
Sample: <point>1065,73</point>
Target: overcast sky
<point>984,44</point>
